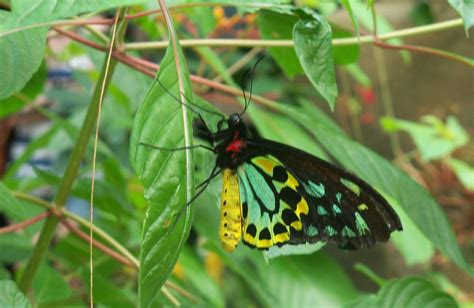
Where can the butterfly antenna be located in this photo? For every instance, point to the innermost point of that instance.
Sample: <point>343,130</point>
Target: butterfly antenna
<point>252,71</point>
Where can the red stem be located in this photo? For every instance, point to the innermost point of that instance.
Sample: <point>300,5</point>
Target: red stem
<point>23,224</point>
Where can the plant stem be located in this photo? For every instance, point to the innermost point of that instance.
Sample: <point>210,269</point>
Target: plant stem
<point>104,235</point>
<point>365,39</point>
<point>23,224</point>
<point>70,174</point>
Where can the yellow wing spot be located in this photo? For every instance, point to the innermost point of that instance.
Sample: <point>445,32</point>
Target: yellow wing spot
<point>230,228</point>
<point>281,238</point>
<point>249,239</point>
<point>264,243</point>
<point>297,225</point>
<point>362,207</point>
<point>291,182</point>
<point>302,207</point>
<point>266,164</point>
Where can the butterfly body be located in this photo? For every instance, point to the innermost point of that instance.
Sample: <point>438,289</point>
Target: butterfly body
<point>278,195</point>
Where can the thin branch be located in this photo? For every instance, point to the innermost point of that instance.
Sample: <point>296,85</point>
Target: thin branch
<point>365,39</point>
<point>23,224</point>
<point>183,292</point>
<point>96,243</point>
<point>104,235</point>
<point>427,50</point>
<point>173,300</point>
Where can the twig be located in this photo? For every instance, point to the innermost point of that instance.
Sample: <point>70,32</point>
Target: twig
<point>183,292</point>
<point>23,224</point>
<point>365,39</point>
<point>95,243</point>
<point>426,50</point>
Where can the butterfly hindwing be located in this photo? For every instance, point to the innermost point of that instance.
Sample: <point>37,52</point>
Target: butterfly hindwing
<point>312,199</point>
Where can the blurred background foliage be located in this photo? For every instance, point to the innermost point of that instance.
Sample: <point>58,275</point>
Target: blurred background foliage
<point>415,110</point>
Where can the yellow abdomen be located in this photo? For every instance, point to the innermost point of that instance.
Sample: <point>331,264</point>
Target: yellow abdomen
<point>230,229</point>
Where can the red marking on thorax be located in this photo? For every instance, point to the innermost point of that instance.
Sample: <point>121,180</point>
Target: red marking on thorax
<point>236,145</point>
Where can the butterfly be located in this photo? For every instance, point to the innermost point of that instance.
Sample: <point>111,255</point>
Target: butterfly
<point>274,194</point>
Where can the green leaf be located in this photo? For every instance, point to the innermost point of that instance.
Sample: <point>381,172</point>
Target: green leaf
<point>463,171</point>
<point>49,286</point>
<point>421,14</point>
<point>274,25</point>
<point>313,45</point>
<point>15,247</point>
<point>23,35</point>
<point>355,22</point>
<point>465,8</point>
<point>10,205</point>
<point>344,54</point>
<point>307,281</point>
<point>409,292</point>
<point>10,296</point>
<point>279,128</point>
<point>162,120</point>
<point>34,87</point>
<point>434,139</point>
<point>412,244</point>
<point>21,54</point>
<point>427,214</point>
<point>198,277</point>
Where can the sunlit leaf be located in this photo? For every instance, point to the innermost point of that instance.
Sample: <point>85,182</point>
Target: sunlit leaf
<point>464,172</point>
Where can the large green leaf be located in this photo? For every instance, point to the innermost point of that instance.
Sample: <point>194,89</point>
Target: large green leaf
<point>50,286</point>
<point>313,44</point>
<point>465,8</point>
<point>10,296</point>
<point>409,292</point>
<point>162,120</point>
<point>32,89</point>
<point>307,281</point>
<point>417,203</point>
<point>23,35</point>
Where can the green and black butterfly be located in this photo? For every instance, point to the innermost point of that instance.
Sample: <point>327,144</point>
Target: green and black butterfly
<point>274,194</point>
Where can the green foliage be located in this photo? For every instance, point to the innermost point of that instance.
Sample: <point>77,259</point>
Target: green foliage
<point>410,292</point>
<point>465,8</point>
<point>10,296</point>
<point>141,192</point>
<point>434,139</point>
<point>312,36</point>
